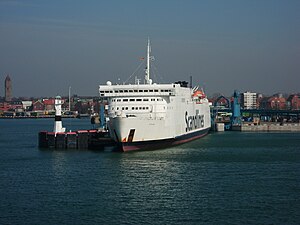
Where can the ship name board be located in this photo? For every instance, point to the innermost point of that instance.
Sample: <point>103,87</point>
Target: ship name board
<point>194,122</point>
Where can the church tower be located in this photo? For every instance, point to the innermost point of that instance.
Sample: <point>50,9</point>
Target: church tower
<point>8,89</point>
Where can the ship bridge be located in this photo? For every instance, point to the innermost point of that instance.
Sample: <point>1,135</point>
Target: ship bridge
<point>137,90</point>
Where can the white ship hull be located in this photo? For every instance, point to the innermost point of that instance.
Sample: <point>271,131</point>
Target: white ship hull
<point>151,142</point>
<point>151,116</point>
<point>172,115</point>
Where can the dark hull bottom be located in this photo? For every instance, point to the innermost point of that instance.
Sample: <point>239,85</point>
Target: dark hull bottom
<point>159,144</point>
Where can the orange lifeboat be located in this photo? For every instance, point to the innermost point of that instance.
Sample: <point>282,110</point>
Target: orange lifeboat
<point>199,94</point>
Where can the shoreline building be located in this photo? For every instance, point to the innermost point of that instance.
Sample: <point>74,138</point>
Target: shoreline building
<point>293,102</point>
<point>249,100</point>
<point>8,89</point>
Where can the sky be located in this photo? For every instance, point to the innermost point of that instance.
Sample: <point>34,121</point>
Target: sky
<point>48,46</point>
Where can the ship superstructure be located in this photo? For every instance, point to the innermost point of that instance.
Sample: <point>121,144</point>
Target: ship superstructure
<point>151,116</point>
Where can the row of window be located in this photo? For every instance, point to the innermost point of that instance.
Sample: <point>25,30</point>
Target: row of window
<point>132,108</point>
<point>136,99</point>
<point>131,91</point>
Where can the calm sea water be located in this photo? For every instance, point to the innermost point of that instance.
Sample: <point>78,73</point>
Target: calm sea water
<point>223,178</point>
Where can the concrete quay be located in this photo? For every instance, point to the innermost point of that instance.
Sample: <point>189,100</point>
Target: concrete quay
<point>270,127</point>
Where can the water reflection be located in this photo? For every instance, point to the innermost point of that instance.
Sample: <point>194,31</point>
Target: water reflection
<point>59,164</point>
<point>156,180</point>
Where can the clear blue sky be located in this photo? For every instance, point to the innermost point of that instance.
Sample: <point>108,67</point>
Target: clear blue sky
<point>47,46</point>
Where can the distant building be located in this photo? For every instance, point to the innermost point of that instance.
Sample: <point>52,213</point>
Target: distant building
<point>293,102</point>
<point>248,100</point>
<point>259,99</point>
<point>27,105</point>
<point>16,105</point>
<point>84,106</point>
<point>49,104</point>
<point>276,102</point>
<point>8,89</point>
<point>38,106</point>
<point>220,101</point>
<point>4,106</point>
<point>263,102</point>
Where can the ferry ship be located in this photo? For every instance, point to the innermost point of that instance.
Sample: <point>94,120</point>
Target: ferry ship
<point>151,116</point>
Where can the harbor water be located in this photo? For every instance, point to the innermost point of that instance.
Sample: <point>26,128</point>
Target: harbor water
<point>223,178</point>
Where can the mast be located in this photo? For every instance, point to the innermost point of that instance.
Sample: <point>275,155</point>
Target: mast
<point>147,75</point>
<point>69,98</point>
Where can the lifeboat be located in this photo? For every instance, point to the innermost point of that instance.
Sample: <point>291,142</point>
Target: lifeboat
<point>199,94</point>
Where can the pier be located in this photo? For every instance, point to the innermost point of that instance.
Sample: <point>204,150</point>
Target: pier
<point>271,127</point>
<point>253,120</point>
<point>59,138</point>
<point>257,120</point>
<point>81,139</point>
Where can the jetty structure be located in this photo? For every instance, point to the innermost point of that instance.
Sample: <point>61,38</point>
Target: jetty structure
<point>231,118</point>
<point>81,139</point>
